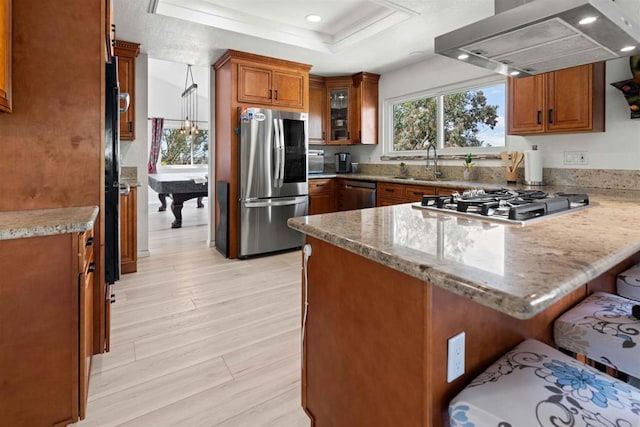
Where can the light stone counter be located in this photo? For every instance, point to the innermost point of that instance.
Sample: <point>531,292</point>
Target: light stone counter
<point>46,222</point>
<point>518,270</point>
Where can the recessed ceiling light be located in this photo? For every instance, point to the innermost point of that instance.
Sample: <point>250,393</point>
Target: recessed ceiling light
<point>514,73</point>
<point>463,56</point>
<point>588,20</point>
<point>313,18</point>
<point>627,49</point>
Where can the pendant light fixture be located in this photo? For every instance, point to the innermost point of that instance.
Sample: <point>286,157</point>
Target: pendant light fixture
<point>189,105</point>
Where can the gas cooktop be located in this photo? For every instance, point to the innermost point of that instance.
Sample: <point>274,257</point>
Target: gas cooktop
<point>506,205</point>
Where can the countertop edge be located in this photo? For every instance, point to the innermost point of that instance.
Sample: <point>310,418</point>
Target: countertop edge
<point>49,222</point>
<point>517,307</point>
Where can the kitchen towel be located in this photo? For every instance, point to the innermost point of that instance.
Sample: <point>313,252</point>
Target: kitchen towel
<point>533,167</point>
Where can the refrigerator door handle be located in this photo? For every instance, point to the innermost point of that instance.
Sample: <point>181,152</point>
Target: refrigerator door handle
<point>273,203</point>
<point>276,149</point>
<point>282,156</point>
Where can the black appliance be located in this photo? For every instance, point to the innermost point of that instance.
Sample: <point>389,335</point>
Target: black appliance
<point>112,175</point>
<point>343,162</point>
<point>506,205</point>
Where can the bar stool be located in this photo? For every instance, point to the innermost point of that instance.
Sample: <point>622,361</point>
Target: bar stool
<point>628,283</point>
<point>602,329</point>
<point>535,384</point>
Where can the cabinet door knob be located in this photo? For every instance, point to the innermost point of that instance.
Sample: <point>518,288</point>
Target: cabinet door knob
<point>113,298</point>
<point>92,267</point>
<point>89,242</point>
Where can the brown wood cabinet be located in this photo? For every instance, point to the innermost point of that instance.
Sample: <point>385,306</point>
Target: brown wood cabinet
<point>46,313</point>
<point>564,101</point>
<point>129,231</point>
<point>5,56</point>
<point>127,52</point>
<point>346,107</point>
<point>394,194</point>
<point>242,80</point>
<point>317,110</point>
<point>271,86</point>
<point>109,32</point>
<point>366,107</point>
<point>322,196</point>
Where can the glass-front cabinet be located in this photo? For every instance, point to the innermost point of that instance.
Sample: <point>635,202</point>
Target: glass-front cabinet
<point>340,112</point>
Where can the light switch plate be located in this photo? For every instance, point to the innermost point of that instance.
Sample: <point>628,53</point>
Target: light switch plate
<point>455,357</point>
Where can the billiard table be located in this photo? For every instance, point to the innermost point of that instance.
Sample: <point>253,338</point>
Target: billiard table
<point>180,187</point>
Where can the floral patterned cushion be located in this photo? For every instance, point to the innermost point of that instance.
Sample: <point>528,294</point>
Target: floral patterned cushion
<point>629,283</point>
<point>536,385</point>
<point>602,328</point>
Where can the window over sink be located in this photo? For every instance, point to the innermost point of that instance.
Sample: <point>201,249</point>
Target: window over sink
<point>457,119</point>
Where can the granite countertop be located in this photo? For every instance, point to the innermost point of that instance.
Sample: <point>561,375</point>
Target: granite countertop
<point>46,222</point>
<point>408,180</point>
<point>518,270</point>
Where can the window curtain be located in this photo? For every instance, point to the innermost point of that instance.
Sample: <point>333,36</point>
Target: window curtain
<point>156,140</point>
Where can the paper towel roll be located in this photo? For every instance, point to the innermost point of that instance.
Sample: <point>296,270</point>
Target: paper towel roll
<point>533,167</point>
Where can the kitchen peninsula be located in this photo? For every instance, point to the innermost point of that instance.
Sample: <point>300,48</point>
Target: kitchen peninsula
<point>387,287</point>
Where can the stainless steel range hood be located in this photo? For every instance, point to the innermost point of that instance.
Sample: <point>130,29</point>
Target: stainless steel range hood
<point>544,35</point>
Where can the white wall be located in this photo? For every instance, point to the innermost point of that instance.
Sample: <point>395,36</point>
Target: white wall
<point>136,153</point>
<point>617,148</point>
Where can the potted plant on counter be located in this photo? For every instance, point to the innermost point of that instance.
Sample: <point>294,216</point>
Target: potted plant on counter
<point>468,166</point>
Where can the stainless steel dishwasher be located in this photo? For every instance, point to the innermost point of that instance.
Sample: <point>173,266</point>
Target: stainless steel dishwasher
<point>359,195</point>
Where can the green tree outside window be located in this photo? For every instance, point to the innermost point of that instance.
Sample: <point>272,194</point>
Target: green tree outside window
<point>183,149</point>
<point>467,117</point>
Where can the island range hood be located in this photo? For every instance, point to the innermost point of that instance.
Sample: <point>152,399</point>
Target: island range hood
<point>545,35</point>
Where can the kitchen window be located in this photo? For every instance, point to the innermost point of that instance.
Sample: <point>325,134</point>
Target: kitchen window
<point>180,148</point>
<point>457,119</point>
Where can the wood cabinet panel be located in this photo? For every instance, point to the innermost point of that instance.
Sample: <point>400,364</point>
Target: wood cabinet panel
<point>127,53</point>
<point>288,89</point>
<point>525,105</point>
<point>317,110</point>
<point>46,313</point>
<point>366,107</point>
<point>129,232</point>
<point>5,56</point>
<point>109,31</point>
<point>414,193</point>
<point>569,100</point>
<point>254,84</point>
<point>322,196</point>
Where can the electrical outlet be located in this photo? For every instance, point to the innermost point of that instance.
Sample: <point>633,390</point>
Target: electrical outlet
<point>455,357</point>
<point>576,158</point>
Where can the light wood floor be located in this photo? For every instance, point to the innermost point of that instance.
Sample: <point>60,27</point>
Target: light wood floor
<point>199,340</point>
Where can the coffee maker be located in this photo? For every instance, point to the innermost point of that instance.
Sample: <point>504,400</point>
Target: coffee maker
<point>343,162</point>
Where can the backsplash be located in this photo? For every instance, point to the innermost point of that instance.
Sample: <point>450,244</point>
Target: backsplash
<point>595,178</point>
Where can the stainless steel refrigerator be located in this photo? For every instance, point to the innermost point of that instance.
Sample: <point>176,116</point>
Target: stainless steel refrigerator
<point>273,179</point>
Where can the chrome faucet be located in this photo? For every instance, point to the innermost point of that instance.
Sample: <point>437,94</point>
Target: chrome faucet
<point>436,173</point>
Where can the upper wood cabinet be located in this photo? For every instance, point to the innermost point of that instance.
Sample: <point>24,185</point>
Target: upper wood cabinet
<point>317,110</point>
<point>346,107</point>
<point>270,86</point>
<point>5,56</point>
<point>564,101</point>
<point>340,111</point>
<point>127,53</point>
<point>109,32</point>
<point>366,107</point>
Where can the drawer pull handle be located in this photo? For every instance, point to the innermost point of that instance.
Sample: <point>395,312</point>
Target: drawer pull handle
<point>89,242</point>
<point>92,267</point>
<point>389,190</point>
